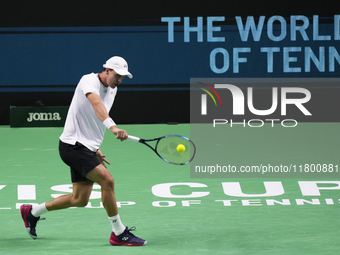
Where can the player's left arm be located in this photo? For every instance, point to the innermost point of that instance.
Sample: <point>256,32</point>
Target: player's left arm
<point>101,158</point>
<point>102,114</point>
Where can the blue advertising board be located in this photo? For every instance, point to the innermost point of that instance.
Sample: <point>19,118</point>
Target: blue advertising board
<point>54,58</point>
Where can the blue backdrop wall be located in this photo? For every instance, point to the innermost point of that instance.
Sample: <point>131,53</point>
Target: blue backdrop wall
<point>45,52</point>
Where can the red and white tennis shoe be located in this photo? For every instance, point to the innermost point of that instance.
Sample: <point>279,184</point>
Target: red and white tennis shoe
<point>29,220</point>
<point>127,238</point>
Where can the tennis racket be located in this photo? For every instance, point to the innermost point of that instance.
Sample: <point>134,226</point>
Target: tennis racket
<point>166,148</point>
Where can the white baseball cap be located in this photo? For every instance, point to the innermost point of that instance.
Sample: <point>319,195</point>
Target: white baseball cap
<point>119,65</point>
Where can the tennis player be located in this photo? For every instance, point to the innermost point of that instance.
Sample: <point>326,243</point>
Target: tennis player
<point>79,148</point>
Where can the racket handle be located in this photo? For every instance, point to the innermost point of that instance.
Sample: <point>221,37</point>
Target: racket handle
<point>133,138</point>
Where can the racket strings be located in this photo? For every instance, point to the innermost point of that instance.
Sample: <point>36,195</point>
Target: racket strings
<point>170,150</point>
<point>167,149</point>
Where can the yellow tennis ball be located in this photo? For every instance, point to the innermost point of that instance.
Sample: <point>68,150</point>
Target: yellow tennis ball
<point>180,148</point>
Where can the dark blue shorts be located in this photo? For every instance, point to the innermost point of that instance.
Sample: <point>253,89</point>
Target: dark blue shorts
<point>80,159</point>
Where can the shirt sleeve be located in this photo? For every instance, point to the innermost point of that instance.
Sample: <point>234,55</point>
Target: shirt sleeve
<point>88,84</point>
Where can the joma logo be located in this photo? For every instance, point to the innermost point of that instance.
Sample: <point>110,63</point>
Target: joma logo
<point>43,116</point>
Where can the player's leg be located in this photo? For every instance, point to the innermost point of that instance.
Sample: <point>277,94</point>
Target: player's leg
<point>120,235</point>
<point>79,198</point>
<point>104,178</point>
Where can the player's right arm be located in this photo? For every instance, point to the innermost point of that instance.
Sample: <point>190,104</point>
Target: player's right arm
<point>102,114</point>
<point>98,106</point>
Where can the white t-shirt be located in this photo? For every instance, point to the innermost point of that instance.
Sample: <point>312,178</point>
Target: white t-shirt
<point>82,124</point>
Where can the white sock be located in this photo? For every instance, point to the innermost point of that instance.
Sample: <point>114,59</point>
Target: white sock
<point>117,225</point>
<point>38,210</point>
